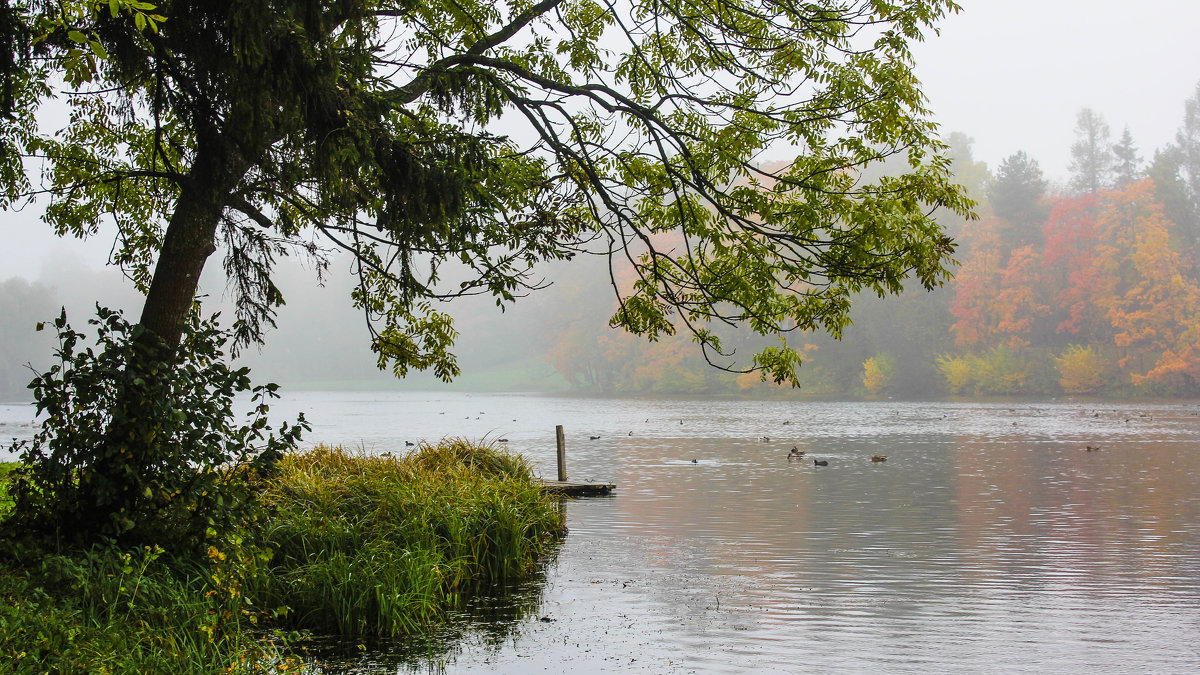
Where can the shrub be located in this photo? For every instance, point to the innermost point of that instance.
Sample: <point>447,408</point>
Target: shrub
<point>878,373</point>
<point>1082,370</point>
<point>958,373</point>
<point>138,442</point>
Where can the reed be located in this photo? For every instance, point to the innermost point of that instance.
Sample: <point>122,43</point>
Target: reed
<point>385,546</point>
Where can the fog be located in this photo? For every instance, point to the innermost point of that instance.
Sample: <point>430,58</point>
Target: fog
<point>1005,75</point>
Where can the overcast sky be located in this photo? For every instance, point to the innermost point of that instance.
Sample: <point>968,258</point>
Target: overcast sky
<point>1012,74</point>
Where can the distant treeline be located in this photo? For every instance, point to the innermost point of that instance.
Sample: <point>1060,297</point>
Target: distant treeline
<point>1087,288</point>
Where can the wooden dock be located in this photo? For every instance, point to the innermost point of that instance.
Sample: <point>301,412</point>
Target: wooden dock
<point>568,488</point>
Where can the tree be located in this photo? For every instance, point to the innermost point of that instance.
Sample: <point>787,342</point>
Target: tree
<point>1069,270</point>
<point>1187,144</point>
<point>1150,304</point>
<point>1016,192</point>
<point>1127,165</point>
<point>1091,155</point>
<point>1176,173</point>
<point>1082,370</point>
<point>451,147</point>
<point>878,372</point>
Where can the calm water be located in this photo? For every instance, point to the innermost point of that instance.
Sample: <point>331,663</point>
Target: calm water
<point>989,541</point>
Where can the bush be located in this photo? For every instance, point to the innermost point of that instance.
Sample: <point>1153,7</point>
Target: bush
<point>138,442</point>
<point>958,371</point>
<point>1083,370</point>
<point>878,373</point>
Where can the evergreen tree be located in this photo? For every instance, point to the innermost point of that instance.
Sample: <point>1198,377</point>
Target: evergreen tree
<point>1016,193</point>
<point>1091,155</point>
<point>1127,167</point>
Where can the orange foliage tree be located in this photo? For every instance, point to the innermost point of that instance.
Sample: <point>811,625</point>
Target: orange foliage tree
<point>1151,306</point>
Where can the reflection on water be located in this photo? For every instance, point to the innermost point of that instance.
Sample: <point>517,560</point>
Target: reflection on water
<point>990,540</point>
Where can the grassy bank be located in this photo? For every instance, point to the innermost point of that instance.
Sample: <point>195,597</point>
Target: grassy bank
<point>351,545</point>
<point>384,546</point>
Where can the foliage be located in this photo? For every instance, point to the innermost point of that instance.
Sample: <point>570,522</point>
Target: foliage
<point>958,371</point>
<point>1003,370</point>
<point>450,147</point>
<point>110,610</point>
<point>6,470</point>
<point>878,373</point>
<point>1083,370</point>
<point>367,545</point>
<point>153,459</point>
<point>385,546</point>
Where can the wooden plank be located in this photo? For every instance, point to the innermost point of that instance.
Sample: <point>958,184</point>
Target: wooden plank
<point>574,489</point>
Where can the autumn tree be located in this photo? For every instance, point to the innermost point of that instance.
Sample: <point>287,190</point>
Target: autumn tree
<point>1150,304</point>
<point>486,138</point>
<point>1069,269</point>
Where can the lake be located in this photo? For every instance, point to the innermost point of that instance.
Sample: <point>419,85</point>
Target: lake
<point>990,540</point>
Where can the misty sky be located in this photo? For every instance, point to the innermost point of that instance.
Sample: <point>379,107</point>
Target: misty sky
<point>1012,74</point>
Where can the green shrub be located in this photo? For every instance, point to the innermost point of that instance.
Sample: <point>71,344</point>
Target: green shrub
<point>138,443</point>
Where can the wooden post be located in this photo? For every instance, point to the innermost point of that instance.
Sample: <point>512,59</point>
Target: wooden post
<point>562,453</point>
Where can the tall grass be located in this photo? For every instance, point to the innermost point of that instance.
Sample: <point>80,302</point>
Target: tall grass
<point>104,610</point>
<point>379,545</point>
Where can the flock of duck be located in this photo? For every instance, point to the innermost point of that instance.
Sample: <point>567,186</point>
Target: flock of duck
<point>797,453</point>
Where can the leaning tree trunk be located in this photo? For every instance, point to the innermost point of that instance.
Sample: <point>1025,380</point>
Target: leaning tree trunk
<point>135,455</point>
<point>189,240</point>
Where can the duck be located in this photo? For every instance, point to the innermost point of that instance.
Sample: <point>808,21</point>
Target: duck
<point>409,444</point>
<point>796,452</point>
<point>878,458</point>
<point>820,462</point>
<point>1091,448</point>
<point>765,439</point>
<point>695,461</point>
<point>594,438</point>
